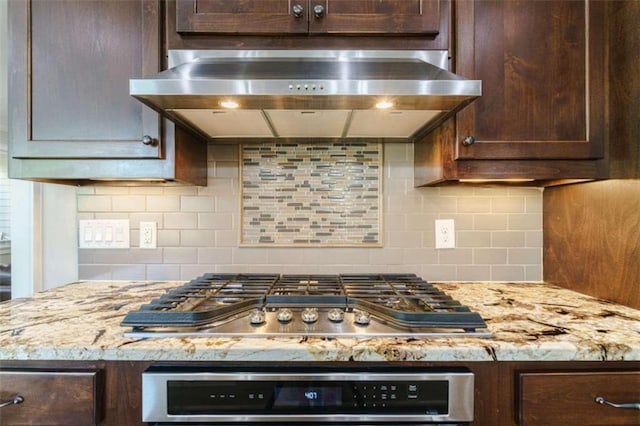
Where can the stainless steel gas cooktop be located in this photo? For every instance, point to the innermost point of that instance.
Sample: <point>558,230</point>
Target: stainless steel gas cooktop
<point>268,305</point>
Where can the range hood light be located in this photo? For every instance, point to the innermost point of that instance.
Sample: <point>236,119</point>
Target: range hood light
<point>384,104</point>
<point>229,104</point>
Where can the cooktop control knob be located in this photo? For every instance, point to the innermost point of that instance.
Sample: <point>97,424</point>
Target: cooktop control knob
<point>335,315</point>
<point>257,317</point>
<point>310,315</point>
<point>362,317</point>
<point>285,315</point>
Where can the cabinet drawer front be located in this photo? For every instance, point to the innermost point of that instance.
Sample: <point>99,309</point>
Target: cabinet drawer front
<point>50,398</point>
<point>563,398</point>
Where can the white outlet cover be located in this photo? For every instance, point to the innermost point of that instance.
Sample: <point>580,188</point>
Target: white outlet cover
<point>445,234</point>
<point>148,235</point>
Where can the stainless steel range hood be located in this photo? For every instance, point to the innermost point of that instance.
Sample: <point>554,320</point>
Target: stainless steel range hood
<point>256,95</point>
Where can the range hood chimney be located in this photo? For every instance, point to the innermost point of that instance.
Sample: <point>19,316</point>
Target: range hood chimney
<point>235,96</point>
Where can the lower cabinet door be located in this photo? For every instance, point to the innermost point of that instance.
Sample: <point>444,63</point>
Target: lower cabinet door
<point>49,397</point>
<point>579,398</point>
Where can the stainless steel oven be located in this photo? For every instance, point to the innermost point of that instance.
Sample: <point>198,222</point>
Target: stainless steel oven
<point>310,394</point>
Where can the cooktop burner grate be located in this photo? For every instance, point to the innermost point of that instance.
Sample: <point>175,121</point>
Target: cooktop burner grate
<point>403,302</point>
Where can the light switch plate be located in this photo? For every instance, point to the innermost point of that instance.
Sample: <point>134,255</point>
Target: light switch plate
<point>103,234</point>
<point>445,234</point>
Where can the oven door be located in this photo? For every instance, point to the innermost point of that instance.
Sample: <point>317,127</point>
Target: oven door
<point>381,395</point>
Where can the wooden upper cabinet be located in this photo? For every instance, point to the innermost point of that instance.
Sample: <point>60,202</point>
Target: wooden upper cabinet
<point>241,17</point>
<point>542,66</point>
<point>339,17</point>
<point>69,69</point>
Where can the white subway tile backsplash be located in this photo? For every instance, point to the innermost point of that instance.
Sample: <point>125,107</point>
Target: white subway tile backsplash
<point>525,256</point>
<point>473,273</point>
<point>196,204</point>
<point>94,203</point>
<point>163,272</point>
<point>168,238</point>
<point>527,221</point>
<point>220,221</point>
<point>508,239</point>
<point>508,273</point>
<point>180,255</point>
<point>499,230</point>
<point>473,238</point>
<point>163,203</point>
<point>128,203</point>
<point>181,220</point>
<point>490,256</point>
<point>507,205</point>
<point>128,272</point>
<point>196,238</point>
<point>216,256</point>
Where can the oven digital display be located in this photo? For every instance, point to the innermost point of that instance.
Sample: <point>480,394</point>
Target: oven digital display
<point>185,397</point>
<point>307,396</point>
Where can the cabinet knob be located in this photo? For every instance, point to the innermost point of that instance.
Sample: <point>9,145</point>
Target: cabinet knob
<point>18,399</point>
<point>318,10</point>
<point>297,10</point>
<point>468,141</point>
<point>149,141</point>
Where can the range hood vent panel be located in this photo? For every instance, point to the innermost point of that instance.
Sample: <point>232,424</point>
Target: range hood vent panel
<point>307,94</point>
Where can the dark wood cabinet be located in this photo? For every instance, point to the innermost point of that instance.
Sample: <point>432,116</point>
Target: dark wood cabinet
<point>542,114</point>
<point>503,390</point>
<point>569,398</point>
<point>346,17</point>
<point>71,116</point>
<point>51,397</point>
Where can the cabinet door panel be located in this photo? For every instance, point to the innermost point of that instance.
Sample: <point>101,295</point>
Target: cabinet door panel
<point>568,398</point>
<point>376,17</point>
<point>50,397</point>
<point>543,74</point>
<point>73,61</point>
<point>240,17</point>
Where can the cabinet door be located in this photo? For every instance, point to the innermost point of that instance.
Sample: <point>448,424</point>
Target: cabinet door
<point>542,66</point>
<point>569,398</point>
<point>69,70</point>
<point>242,17</point>
<point>361,17</point>
<point>375,17</point>
<point>50,397</point>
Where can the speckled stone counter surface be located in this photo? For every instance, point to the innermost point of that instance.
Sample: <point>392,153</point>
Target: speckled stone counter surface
<point>529,322</point>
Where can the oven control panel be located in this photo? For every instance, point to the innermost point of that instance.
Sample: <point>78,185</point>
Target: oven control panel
<point>184,395</point>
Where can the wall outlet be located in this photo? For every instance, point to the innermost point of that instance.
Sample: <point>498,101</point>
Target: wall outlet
<point>445,234</point>
<point>148,235</point>
<point>103,234</point>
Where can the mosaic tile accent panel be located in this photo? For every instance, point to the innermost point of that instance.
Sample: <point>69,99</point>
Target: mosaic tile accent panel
<point>311,194</point>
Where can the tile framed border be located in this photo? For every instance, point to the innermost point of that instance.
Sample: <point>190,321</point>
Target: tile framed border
<point>311,195</point>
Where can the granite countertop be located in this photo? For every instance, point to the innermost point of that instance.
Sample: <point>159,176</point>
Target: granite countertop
<point>529,321</point>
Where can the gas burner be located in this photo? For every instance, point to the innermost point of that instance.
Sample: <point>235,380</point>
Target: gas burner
<point>353,305</point>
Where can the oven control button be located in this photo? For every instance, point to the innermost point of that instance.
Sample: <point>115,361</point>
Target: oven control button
<point>257,317</point>
<point>335,315</point>
<point>285,315</point>
<point>310,315</point>
<point>362,317</point>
